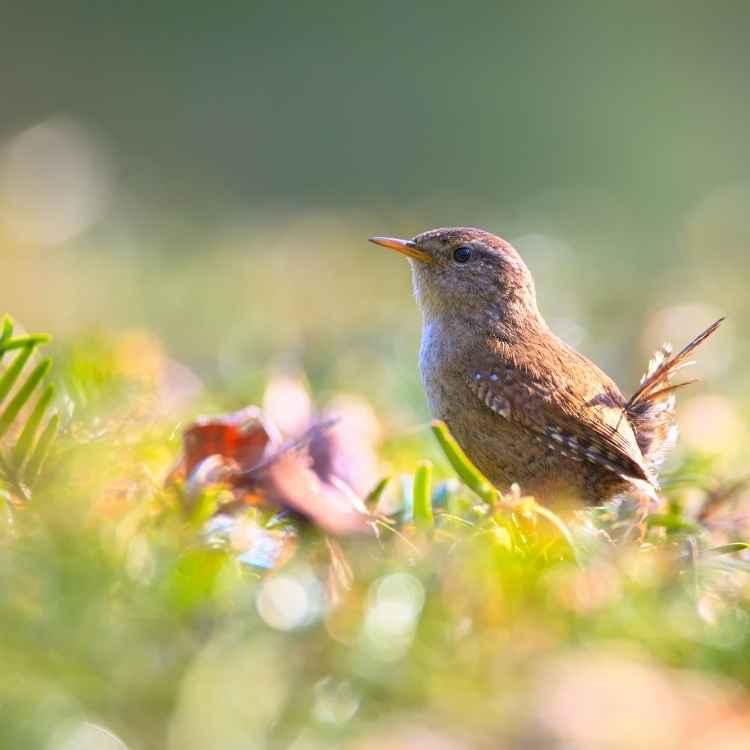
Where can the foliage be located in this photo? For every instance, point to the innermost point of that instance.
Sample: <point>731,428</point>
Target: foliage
<point>27,425</point>
<point>216,610</point>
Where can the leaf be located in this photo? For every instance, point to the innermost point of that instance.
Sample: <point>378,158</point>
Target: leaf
<point>728,549</point>
<point>23,395</point>
<point>559,524</point>
<point>470,475</point>
<point>422,494</point>
<point>11,375</point>
<point>204,508</point>
<point>6,332</point>
<point>240,451</point>
<point>23,341</point>
<point>241,436</point>
<point>373,497</point>
<point>27,441</point>
<point>43,446</point>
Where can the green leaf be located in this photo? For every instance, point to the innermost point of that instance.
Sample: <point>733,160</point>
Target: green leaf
<point>42,448</point>
<point>23,395</point>
<point>373,497</point>
<point>469,474</point>
<point>204,507</point>
<point>559,524</point>
<point>11,375</point>
<point>6,332</point>
<point>728,549</point>
<point>422,495</point>
<point>21,463</point>
<point>23,341</point>
<point>25,441</point>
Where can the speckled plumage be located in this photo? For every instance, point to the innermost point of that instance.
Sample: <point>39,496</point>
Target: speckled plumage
<point>524,405</point>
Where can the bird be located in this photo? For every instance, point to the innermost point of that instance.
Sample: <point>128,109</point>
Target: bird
<point>527,408</point>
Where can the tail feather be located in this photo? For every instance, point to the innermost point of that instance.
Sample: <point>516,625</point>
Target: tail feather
<point>651,409</point>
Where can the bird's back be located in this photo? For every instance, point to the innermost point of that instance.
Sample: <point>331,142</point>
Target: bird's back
<point>532,411</point>
<point>535,411</point>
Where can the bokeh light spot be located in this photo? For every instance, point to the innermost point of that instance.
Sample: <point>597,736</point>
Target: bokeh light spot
<point>85,735</point>
<point>55,181</point>
<point>288,601</point>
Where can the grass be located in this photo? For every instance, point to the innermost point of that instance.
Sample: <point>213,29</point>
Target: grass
<point>472,619</point>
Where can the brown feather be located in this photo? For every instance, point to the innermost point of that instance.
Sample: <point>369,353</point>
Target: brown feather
<point>651,409</point>
<point>670,366</point>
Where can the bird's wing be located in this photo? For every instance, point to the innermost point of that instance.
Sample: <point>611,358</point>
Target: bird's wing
<point>571,406</point>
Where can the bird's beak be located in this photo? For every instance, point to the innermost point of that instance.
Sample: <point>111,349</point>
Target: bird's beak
<point>406,247</point>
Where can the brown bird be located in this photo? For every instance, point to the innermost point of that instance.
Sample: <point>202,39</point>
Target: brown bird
<point>524,405</point>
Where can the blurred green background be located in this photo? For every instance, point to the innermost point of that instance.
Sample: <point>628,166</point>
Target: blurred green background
<point>186,190</point>
<point>211,174</point>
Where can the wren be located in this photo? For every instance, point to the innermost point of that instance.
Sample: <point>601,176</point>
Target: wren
<point>524,405</point>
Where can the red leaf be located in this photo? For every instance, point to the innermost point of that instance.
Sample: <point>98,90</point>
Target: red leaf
<point>236,449</point>
<point>241,436</point>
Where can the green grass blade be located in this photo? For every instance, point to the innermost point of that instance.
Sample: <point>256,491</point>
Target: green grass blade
<point>25,441</point>
<point>18,343</point>
<point>470,475</point>
<point>10,376</point>
<point>5,472</point>
<point>42,448</point>
<point>6,331</point>
<point>560,525</point>
<point>422,495</point>
<point>23,395</point>
<point>728,549</point>
<point>373,497</point>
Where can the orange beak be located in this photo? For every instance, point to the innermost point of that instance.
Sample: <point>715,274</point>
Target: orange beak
<point>405,247</point>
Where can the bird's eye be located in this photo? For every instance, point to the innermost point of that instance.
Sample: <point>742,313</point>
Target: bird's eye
<point>462,254</point>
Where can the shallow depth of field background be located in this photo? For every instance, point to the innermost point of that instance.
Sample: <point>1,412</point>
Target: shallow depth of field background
<point>211,176</point>
<point>199,181</point>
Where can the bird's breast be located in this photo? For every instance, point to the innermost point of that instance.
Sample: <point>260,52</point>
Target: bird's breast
<point>443,366</point>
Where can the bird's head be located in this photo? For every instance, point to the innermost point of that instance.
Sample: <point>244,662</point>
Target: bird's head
<point>461,268</point>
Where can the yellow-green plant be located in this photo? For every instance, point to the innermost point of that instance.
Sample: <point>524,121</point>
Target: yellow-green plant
<point>28,425</point>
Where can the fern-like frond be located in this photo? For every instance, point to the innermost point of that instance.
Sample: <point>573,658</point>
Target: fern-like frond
<point>28,425</point>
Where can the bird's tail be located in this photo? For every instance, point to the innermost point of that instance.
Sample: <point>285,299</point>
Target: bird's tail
<point>651,409</point>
